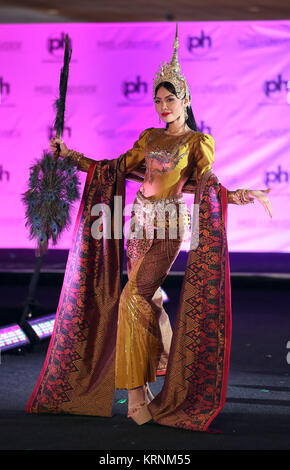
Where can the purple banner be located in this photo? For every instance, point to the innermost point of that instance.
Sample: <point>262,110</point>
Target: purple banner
<point>239,75</point>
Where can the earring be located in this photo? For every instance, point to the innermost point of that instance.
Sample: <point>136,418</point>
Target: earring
<point>185,114</point>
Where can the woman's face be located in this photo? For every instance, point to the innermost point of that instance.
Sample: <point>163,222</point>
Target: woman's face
<point>168,106</point>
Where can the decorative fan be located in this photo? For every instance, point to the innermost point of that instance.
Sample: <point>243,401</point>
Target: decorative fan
<point>53,183</point>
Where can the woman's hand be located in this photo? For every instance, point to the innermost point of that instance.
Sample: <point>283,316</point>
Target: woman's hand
<point>63,148</point>
<point>260,194</point>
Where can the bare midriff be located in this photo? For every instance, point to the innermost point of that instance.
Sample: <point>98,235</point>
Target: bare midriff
<point>156,189</point>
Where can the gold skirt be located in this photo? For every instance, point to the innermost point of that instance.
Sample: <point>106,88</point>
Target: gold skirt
<point>144,332</point>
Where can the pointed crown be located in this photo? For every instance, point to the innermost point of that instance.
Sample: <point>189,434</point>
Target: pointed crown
<point>171,72</point>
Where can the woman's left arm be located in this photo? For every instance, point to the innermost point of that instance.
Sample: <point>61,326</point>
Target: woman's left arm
<point>246,196</point>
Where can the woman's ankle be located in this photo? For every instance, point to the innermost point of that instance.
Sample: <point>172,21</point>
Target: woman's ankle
<point>136,394</point>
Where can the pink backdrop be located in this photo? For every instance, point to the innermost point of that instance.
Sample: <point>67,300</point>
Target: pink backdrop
<point>238,73</point>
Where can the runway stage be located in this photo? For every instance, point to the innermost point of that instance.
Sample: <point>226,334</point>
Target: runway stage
<point>256,415</point>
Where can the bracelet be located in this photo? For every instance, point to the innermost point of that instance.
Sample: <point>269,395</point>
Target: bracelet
<point>240,196</point>
<point>245,193</point>
<point>75,156</point>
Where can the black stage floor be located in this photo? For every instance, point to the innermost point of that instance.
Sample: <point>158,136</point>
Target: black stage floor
<point>256,415</point>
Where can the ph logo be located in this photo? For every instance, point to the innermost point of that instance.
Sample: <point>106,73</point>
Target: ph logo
<point>135,90</point>
<point>4,173</point>
<point>66,132</point>
<point>204,128</point>
<point>56,45</point>
<point>275,86</point>
<point>197,43</point>
<point>278,176</point>
<point>4,90</point>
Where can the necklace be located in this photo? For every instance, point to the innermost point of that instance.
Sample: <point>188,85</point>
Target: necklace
<point>178,132</point>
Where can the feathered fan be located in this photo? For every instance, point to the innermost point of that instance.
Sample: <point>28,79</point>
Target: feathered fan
<point>53,183</point>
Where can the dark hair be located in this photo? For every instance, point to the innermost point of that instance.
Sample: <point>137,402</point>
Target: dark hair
<point>190,120</point>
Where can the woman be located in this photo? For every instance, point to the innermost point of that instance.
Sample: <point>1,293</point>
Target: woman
<point>177,159</point>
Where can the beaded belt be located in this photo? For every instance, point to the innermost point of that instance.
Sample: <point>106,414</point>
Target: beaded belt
<point>163,211</point>
<point>152,214</point>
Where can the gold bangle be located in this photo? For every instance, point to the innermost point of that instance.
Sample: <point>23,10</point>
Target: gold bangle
<point>75,156</point>
<point>246,195</point>
<point>242,196</point>
<point>237,197</point>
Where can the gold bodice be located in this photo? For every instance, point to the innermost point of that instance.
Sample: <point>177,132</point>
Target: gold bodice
<point>169,161</point>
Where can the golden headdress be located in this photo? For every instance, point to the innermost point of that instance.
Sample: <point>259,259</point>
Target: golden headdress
<point>171,72</point>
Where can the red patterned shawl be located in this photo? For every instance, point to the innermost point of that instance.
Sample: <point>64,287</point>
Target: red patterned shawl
<point>78,374</point>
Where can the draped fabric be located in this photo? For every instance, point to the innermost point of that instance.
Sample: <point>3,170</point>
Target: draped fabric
<point>78,374</point>
<point>195,383</point>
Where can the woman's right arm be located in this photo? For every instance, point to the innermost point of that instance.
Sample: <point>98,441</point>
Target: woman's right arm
<point>132,158</point>
<point>81,162</point>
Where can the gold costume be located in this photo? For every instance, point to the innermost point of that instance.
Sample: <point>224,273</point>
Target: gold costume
<point>144,331</point>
